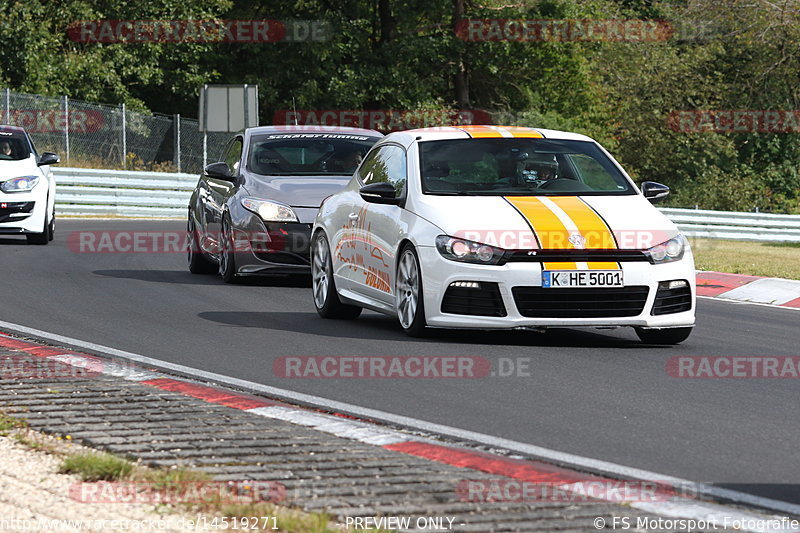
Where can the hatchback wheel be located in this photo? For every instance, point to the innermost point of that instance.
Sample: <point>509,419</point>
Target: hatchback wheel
<point>408,293</point>
<point>198,264</point>
<point>41,238</point>
<point>326,300</point>
<point>227,257</point>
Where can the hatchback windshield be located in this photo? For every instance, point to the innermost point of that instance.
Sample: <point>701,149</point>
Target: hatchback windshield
<point>518,167</point>
<point>14,146</point>
<point>298,154</point>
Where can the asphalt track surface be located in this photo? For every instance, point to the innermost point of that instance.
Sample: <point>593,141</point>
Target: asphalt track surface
<point>598,394</point>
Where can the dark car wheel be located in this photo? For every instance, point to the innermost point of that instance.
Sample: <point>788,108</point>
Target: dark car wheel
<point>663,336</point>
<point>408,293</point>
<point>227,257</point>
<point>198,263</point>
<point>326,300</point>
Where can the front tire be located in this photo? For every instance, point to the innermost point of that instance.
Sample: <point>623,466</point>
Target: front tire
<point>198,264</point>
<point>227,257</point>
<point>45,236</point>
<point>409,302</point>
<point>326,299</point>
<point>664,336</point>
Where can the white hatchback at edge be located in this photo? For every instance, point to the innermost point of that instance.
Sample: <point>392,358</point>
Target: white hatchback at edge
<point>493,227</point>
<point>27,187</point>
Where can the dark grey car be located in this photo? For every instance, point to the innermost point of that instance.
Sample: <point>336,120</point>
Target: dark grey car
<point>251,213</point>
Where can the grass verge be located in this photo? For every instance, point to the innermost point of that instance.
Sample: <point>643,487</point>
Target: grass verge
<point>10,423</point>
<point>774,260</point>
<point>93,466</point>
<point>96,466</point>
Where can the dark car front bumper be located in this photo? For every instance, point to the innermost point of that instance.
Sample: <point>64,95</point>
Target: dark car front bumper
<point>278,248</point>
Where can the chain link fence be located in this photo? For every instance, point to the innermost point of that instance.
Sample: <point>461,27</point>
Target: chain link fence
<point>105,136</point>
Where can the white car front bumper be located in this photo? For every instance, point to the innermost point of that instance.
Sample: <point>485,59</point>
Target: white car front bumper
<point>26,222</point>
<point>438,273</point>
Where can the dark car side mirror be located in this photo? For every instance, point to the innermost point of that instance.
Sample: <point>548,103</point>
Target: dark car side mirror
<point>380,193</point>
<point>655,192</point>
<point>219,171</point>
<point>48,158</point>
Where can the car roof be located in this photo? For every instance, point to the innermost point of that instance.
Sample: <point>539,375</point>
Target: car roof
<point>481,131</point>
<point>312,129</point>
<point>12,129</point>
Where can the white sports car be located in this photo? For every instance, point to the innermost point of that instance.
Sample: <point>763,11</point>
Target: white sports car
<point>501,227</point>
<point>27,188</point>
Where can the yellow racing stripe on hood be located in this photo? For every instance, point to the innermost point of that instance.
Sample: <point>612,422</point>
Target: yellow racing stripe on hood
<point>550,231</point>
<point>593,228</point>
<point>553,234</point>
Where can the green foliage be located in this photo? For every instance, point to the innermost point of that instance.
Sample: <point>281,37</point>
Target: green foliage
<point>96,466</point>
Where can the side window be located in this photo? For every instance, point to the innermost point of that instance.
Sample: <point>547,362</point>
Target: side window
<point>33,148</point>
<point>233,155</point>
<point>386,164</point>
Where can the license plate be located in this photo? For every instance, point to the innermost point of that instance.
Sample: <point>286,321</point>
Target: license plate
<point>555,279</point>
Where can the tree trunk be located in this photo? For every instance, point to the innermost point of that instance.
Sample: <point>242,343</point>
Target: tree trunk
<point>460,80</point>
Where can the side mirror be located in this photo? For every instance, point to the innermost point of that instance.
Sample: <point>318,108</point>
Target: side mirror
<point>655,192</point>
<point>219,171</point>
<point>48,158</point>
<point>380,193</point>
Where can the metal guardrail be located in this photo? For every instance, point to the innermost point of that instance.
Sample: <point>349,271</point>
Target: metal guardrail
<point>84,191</point>
<point>122,193</point>
<point>736,226</point>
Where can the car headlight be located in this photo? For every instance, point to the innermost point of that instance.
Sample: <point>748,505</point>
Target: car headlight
<point>270,211</point>
<point>465,251</point>
<point>666,252</point>
<point>21,184</point>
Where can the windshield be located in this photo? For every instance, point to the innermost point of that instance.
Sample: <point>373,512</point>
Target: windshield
<point>518,167</point>
<point>14,146</point>
<point>309,154</point>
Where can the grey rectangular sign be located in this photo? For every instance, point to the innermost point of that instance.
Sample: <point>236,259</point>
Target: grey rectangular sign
<point>228,108</point>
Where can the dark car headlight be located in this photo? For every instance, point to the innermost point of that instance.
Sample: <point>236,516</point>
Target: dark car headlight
<point>465,251</point>
<point>270,211</point>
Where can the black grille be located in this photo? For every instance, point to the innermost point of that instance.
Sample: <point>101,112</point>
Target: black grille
<point>556,256</point>
<point>672,300</point>
<point>580,303</point>
<point>483,301</point>
<point>7,208</point>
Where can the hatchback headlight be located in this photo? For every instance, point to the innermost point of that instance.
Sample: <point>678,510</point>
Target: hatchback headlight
<point>21,184</point>
<point>666,252</point>
<point>466,251</point>
<point>270,211</point>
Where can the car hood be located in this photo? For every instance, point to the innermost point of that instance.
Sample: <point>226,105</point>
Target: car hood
<point>14,169</point>
<point>563,222</point>
<point>295,191</point>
